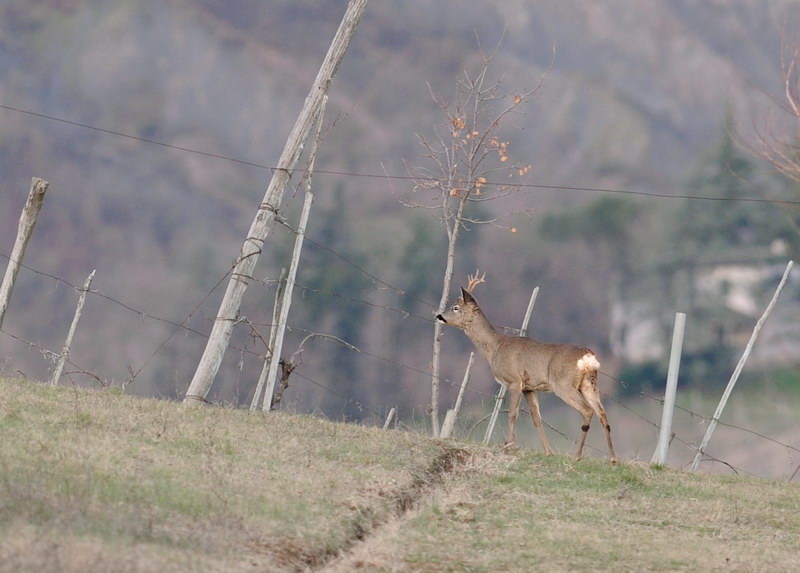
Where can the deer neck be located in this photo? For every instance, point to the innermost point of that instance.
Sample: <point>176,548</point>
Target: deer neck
<point>483,335</point>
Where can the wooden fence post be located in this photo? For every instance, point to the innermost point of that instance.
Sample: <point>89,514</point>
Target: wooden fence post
<point>72,328</point>
<point>262,378</point>
<point>286,299</point>
<point>664,436</point>
<point>27,221</point>
<point>389,418</point>
<point>502,392</point>
<point>724,400</point>
<point>262,224</point>
<point>452,413</point>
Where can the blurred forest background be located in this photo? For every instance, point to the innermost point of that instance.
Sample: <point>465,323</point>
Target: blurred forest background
<point>640,114</point>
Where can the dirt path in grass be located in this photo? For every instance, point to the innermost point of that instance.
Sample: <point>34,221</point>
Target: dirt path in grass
<point>447,485</point>
<point>366,544</point>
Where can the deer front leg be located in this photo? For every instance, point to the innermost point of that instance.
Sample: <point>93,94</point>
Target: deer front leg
<point>514,398</point>
<point>536,416</point>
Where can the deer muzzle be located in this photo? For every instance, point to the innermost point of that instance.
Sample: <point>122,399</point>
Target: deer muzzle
<point>440,318</point>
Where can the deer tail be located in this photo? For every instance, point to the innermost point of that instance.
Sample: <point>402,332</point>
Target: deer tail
<point>588,366</point>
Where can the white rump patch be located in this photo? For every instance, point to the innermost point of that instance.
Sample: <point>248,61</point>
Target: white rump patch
<point>588,362</point>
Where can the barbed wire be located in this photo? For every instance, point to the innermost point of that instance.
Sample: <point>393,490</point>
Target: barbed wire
<point>182,325</point>
<point>347,260</point>
<point>245,351</point>
<point>414,369</point>
<point>51,356</point>
<point>704,418</point>
<point>359,404</point>
<point>347,399</point>
<point>384,176</point>
<point>362,407</point>
<point>371,275</point>
<point>97,293</point>
<point>402,312</point>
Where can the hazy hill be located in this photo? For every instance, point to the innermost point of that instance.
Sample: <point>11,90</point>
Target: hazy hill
<point>633,92</point>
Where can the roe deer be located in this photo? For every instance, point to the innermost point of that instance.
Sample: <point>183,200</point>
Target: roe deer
<point>526,366</point>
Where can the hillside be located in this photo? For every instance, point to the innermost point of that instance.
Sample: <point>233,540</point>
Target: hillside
<point>95,480</point>
<point>632,96</point>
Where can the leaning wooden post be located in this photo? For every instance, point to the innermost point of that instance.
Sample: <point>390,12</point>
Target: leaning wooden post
<point>452,413</point>
<point>73,327</point>
<point>732,382</point>
<point>264,220</point>
<point>664,436</point>
<point>27,221</point>
<point>286,299</point>
<point>502,393</point>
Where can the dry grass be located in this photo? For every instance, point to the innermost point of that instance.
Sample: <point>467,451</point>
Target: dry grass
<point>99,481</point>
<point>94,480</point>
<point>551,514</point>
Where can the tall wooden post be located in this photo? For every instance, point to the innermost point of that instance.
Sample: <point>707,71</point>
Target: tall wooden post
<point>62,359</point>
<point>286,299</point>
<point>27,220</point>
<point>273,332</point>
<point>265,216</point>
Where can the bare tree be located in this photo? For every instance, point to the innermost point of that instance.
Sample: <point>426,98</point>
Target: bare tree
<point>466,162</point>
<point>778,140</point>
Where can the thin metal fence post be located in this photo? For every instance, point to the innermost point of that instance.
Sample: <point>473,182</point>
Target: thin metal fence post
<point>660,455</point>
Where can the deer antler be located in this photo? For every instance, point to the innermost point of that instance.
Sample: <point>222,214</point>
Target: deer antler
<point>474,280</point>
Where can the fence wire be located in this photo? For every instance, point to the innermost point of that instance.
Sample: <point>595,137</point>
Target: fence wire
<point>375,412</point>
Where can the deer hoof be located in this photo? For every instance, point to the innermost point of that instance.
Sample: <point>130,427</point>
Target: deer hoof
<point>508,445</point>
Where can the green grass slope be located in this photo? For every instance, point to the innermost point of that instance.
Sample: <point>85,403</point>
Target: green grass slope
<point>100,481</point>
<point>551,514</point>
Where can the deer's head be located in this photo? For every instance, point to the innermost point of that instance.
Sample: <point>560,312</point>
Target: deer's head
<point>465,309</point>
<point>462,312</point>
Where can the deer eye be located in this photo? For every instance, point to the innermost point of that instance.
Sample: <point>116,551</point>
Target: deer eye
<point>455,308</point>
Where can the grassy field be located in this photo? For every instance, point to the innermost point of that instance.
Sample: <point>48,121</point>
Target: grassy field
<point>98,481</point>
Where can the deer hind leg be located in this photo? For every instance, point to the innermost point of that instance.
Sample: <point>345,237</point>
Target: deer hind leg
<point>514,398</point>
<point>588,390</point>
<point>573,397</point>
<point>536,416</point>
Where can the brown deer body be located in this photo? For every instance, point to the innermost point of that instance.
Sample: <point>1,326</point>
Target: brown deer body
<point>526,366</point>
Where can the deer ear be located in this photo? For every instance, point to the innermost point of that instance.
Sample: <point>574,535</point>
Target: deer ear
<point>466,296</point>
